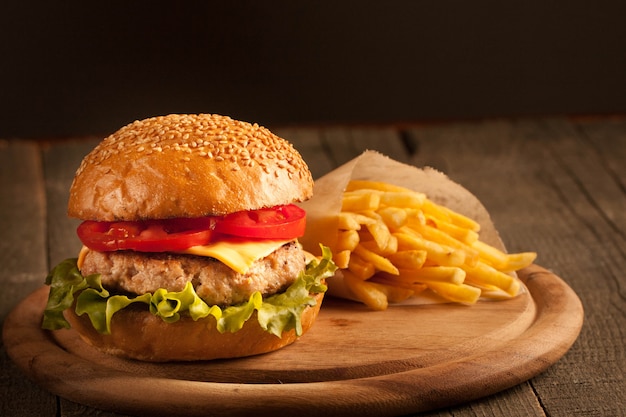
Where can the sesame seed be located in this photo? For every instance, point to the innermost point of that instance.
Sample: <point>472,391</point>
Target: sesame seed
<point>211,136</point>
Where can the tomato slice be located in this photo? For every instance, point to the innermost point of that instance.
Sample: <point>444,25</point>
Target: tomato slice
<point>148,236</point>
<point>171,235</point>
<point>279,222</point>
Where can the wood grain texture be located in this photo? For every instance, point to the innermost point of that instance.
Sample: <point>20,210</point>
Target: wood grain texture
<point>564,198</point>
<point>60,162</point>
<point>23,261</point>
<point>556,186</point>
<point>409,359</point>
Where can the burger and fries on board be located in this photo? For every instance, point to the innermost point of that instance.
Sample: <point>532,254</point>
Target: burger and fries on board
<point>205,237</point>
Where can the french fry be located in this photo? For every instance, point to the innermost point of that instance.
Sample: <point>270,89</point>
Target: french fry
<point>381,234</point>
<point>517,261</point>
<point>467,236</point>
<point>342,258</point>
<point>361,268</point>
<point>390,195</point>
<point>493,293</point>
<point>365,291</point>
<point>408,200</point>
<point>375,185</point>
<point>347,221</point>
<point>436,211</point>
<point>440,254</point>
<point>360,201</point>
<point>489,291</point>
<point>415,287</point>
<point>487,275</point>
<point>393,293</point>
<point>393,243</point>
<point>450,216</point>
<point>394,217</point>
<point>463,293</point>
<point>502,261</point>
<point>488,253</point>
<point>461,220</point>
<point>391,246</point>
<point>427,274</point>
<point>436,235</point>
<point>347,240</point>
<point>380,263</point>
<point>353,221</point>
<point>408,259</point>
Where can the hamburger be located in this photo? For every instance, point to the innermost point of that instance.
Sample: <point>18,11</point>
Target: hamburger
<point>190,229</point>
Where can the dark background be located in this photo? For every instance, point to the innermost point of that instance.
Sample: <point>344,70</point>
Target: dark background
<point>85,67</point>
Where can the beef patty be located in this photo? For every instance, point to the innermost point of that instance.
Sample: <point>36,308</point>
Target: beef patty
<point>214,282</point>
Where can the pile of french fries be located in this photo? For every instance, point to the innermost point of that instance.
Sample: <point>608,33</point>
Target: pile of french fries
<point>394,243</point>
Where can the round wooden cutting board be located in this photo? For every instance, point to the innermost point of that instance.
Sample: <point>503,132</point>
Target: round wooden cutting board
<point>352,362</point>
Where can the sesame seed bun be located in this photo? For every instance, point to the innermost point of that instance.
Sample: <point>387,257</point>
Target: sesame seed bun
<point>187,166</point>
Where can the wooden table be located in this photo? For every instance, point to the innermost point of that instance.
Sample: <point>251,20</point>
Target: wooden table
<point>557,186</point>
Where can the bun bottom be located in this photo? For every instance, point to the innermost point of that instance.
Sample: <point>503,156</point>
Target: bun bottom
<point>137,334</point>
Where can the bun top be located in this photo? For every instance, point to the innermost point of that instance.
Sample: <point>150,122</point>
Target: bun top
<point>187,166</point>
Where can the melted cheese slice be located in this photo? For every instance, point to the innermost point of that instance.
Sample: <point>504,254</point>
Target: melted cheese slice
<point>239,256</point>
<point>81,256</point>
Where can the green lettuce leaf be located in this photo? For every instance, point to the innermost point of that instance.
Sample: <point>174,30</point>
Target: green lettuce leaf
<point>64,280</point>
<point>168,305</point>
<point>277,313</point>
<point>234,317</point>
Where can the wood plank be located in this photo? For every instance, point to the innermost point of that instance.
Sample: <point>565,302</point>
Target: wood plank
<point>607,145</point>
<point>592,194</point>
<point>24,264</point>
<point>345,143</point>
<point>22,217</point>
<point>307,142</point>
<point>60,164</point>
<point>324,149</point>
<point>514,402</point>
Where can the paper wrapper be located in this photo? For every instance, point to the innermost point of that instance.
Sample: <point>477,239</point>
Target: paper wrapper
<point>323,207</point>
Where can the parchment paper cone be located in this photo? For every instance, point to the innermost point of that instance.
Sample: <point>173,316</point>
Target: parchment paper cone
<point>323,207</point>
